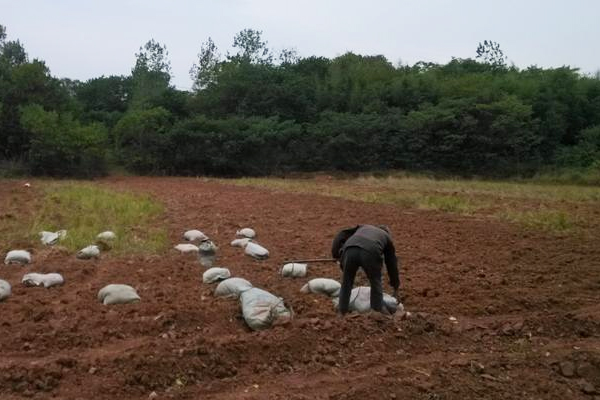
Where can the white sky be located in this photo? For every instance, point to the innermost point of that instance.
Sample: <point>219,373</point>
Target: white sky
<point>82,39</point>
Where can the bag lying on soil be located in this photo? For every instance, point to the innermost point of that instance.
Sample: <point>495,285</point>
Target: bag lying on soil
<point>255,250</point>
<point>4,290</point>
<point>262,310</point>
<point>360,301</point>
<point>232,287</point>
<point>194,235</point>
<point>247,233</point>
<point>240,242</point>
<point>18,257</point>
<point>213,275</point>
<point>106,235</point>
<point>51,238</point>
<point>294,270</point>
<point>207,253</point>
<point>186,248</point>
<point>324,286</point>
<point>45,280</point>
<point>118,294</point>
<point>89,252</point>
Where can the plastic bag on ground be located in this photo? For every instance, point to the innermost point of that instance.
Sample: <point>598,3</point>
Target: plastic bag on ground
<point>51,238</point>
<point>215,274</point>
<point>326,286</point>
<point>186,248</point>
<point>45,280</point>
<point>294,270</point>
<point>207,253</point>
<point>17,257</point>
<point>360,301</point>
<point>247,233</point>
<point>232,287</point>
<point>194,235</point>
<point>4,290</point>
<point>89,252</point>
<point>240,242</point>
<point>261,309</point>
<point>106,235</point>
<point>255,250</point>
<point>118,294</point>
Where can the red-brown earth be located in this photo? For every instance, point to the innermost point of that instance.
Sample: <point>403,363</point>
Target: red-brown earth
<point>526,303</point>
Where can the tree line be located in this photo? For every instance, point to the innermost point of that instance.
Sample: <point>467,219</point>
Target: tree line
<point>253,112</point>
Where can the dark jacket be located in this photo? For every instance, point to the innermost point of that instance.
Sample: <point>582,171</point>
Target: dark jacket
<point>372,239</point>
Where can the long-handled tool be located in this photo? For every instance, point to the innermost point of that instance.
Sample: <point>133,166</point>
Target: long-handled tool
<point>312,260</point>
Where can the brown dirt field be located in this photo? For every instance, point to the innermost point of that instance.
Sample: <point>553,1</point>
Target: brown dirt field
<point>527,306</point>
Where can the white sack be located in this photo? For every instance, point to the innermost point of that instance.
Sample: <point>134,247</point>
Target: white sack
<point>18,257</point>
<point>247,233</point>
<point>262,310</point>
<point>4,290</point>
<point>194,235</point>
<point>118,294</point>
<point>360,301</point>
<point>240,242</point>
<point>86,253</point>
<point>213,275</point>
<point>45,280</point>
<point>106,235</point>
<point>232,287</point>
<point>324,286</point>
<point>256,250</point>
<point>51,238</point>
<point>207,253</point>
<point>294,270</point>
<point>186,248</point>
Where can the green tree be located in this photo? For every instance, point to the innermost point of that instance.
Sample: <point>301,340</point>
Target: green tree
<point>151,75</point>
<point>490,53</point>
<point>251,48</point>
<point>206,71</point>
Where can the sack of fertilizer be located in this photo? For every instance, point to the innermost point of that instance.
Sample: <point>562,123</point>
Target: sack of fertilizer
<point>256,251</point>
<point>215,274</point>
<point>261,309</point>
<point>328,287</point>
<point>207,253</point>
<point>106,235</point>
<point>360,301</point>
<point>240,242</point>
<point>194,235</point>
<point>51,238</point>
<point>186,248</point>
<point>232,287</point>
<point>89,252</point>
<point>294,270</point>
<point>45,280</point>
<point>118,294</point>
<point>247,233</point>
<point>4,290</point>
<point>17,257</point>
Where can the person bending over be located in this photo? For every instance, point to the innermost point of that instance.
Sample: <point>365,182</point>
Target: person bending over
<point>365,246</point>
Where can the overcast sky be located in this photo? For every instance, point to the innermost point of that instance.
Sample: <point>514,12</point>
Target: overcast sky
<point>82,39</point>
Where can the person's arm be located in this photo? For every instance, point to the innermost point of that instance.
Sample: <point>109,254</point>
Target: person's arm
<point>391,263</point>
<point>336,246</point>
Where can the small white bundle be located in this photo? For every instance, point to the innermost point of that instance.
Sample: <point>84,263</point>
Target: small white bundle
<point>247,233</point>
<point>294,270</point>
<point>51,238</point>
<point>4,290</point>
<point>118,294</point>
<point>215,274</point>
<point>256,251</point>
<point>261,309</point>
<point>89,252</point>
<point>360,301</point>
<point>232,287</point>
<point>18,257</point>
<point>106,235</point>
<point>186,248</point>
<point>240,242</point>
<point>194,235</point>
<point>45,280</point>
<point>326,286</point>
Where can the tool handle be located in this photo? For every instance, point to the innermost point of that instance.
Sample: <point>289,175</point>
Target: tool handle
<point>312,260</point>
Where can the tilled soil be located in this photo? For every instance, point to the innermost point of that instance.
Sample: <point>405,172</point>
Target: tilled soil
<point>525,308</point>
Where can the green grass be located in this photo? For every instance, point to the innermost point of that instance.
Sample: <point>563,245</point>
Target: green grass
<point>547,220</point>
<point>86,210</point>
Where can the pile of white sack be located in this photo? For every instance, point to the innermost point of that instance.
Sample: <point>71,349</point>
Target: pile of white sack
<point>51,238</point>
<point>360,301</point>
<point>244,240</point>
<point>18,257</point>
<point>4,290</point>
<point>326,286</point>
<point>45,280</point>
<point>118,294</point>
<point>294,270</point>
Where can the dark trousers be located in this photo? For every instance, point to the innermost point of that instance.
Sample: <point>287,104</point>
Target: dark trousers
<point>352,259</point>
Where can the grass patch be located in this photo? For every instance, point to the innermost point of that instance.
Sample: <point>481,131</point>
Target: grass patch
<point>86,210</point>
<point>450,204</point>
<point>543,219</point>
